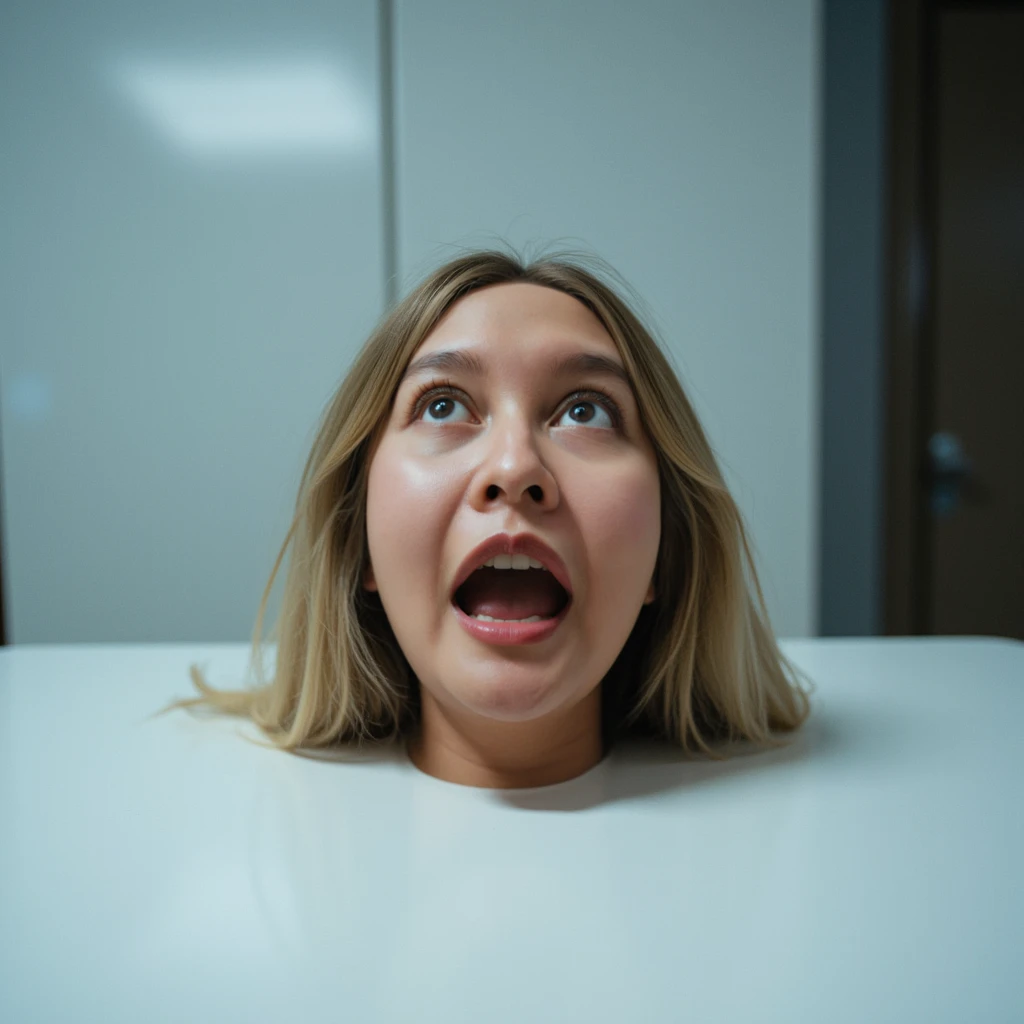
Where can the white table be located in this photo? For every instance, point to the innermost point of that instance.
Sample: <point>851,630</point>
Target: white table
<point>167,870</point>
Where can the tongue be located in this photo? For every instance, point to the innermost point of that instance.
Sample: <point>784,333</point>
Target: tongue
<point>511,594</point>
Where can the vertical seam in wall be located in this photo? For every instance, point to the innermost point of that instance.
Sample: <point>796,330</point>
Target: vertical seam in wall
<point>4,574</point>
<point>818,249</point>
<point>386,37</point>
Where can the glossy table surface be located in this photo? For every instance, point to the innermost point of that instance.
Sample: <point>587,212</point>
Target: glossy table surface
<point>164,869</point>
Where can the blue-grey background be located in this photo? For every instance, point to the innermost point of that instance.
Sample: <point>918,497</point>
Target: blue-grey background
<point>206,206</point>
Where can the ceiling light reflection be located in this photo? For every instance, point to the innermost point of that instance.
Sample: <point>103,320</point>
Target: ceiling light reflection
<point>261,107</point>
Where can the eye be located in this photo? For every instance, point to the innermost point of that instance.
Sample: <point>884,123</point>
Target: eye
<point>438,404</point>
<point>590,408</point>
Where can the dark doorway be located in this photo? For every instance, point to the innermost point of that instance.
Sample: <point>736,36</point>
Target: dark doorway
<point>955,433</point>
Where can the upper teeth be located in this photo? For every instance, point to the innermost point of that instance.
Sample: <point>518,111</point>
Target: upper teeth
<point>513,562</point>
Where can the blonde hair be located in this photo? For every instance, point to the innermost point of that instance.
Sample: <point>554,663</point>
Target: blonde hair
<point>701,665</point>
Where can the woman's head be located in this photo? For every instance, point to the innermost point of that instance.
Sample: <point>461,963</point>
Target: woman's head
<point>509,398</point>
<point>515,417</point>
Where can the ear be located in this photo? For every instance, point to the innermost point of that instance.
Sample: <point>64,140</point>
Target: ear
<point>369,581</point>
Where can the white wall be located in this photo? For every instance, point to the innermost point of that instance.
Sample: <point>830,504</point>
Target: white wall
<point>679,140</point>
<point>183,284</point>
<point>190,256</point>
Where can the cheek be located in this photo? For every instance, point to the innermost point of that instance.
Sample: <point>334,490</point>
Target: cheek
<point>621,524</point>
<point>408,507</point>
<point>635,514</point>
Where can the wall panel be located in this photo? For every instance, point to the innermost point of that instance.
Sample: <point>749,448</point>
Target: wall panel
<point>190,257</point>
<point>679,140</point>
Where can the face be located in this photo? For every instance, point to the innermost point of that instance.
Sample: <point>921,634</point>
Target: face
<point>515,445</point>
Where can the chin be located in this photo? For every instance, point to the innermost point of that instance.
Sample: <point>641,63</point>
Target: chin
<point>512,700</point>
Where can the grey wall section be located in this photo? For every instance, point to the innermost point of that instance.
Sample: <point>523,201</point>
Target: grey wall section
<point>190,256</point>
<point>679,139</point>
<point>179,300</point>
<point>853,279</point>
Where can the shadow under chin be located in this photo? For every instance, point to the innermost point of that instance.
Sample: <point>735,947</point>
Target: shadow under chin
<point>636,768</point>
<point>645,768</point>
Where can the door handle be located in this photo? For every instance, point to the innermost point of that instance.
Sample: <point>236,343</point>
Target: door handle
<point>949,470</point>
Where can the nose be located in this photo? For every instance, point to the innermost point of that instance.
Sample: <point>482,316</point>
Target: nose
<point>513,469</point>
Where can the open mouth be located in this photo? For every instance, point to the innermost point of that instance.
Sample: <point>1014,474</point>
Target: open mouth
<point>503,593</point>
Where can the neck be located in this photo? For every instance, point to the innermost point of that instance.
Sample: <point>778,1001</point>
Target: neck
<point>457,746</point>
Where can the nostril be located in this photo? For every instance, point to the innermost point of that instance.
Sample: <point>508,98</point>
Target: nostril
<point>535,491</point>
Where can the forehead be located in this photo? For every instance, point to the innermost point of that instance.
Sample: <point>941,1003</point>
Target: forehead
<point>520,320</point>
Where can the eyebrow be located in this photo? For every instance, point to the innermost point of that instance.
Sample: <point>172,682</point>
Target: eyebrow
<point>457,361</point>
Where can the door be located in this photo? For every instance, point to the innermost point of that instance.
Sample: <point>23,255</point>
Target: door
<point>955,487</point>
<point>977,535</point>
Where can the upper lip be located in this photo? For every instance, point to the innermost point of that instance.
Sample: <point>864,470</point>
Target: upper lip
<point>507,544</point>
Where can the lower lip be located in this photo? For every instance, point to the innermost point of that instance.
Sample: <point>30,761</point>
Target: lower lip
<point>507,634</point>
